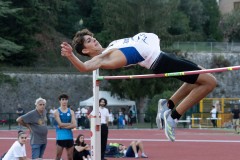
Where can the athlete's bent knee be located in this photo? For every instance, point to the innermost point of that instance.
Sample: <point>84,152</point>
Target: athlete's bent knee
<point>212,83</point>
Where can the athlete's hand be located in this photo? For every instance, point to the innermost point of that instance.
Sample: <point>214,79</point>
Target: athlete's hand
<point>66,49</point>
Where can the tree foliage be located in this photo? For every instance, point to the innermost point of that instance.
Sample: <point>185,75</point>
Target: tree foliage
<point>171,20</point>
<point>179,24</point>
<point>212,14</point>
<point>230,26</point>
<point>122,18</point>
<point>31,31</point>
<point>7,47</point>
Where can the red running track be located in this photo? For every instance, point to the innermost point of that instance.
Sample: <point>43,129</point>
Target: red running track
<point>191,144</point>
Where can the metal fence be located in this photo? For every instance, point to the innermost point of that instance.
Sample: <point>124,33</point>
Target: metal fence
<point>198,116</point>
<point>209,47</point>
<point>195,120</point>
<point>8,122</point>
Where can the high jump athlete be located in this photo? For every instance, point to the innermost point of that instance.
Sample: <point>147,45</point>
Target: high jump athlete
<point>143,49</point>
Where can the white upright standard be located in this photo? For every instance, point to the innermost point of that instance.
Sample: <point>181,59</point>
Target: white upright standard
<point>95,120</point>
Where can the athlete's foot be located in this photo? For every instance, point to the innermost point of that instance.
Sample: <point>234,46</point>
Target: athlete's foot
<point>170,125</point>
<point>163,107</point>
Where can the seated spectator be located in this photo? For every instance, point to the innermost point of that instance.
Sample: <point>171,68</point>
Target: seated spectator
<point>81,149</point>
<point>132,150</point>
<point>18,149</point>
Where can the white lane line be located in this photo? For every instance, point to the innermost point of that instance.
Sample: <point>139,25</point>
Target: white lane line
<point>153,140</point>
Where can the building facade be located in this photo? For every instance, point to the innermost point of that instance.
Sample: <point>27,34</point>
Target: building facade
<point>226,6</point>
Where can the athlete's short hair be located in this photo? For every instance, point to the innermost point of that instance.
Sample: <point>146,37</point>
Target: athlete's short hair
<point>62,96</point>
<point>78,40</point>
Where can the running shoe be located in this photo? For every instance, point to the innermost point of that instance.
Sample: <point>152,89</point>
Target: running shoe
<point>170,125</point>
<point>159,121</point>
<point>162,107</point>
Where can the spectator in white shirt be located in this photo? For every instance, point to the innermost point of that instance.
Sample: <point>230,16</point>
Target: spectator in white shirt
<point>214,116</point>
<point>104,113</point>
<point>18,149</point>
<point>51,116</point>
<point>83,120</point>
<point>78,117</point>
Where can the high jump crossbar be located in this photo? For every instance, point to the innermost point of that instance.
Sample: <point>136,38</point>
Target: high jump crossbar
<point>173,74</point>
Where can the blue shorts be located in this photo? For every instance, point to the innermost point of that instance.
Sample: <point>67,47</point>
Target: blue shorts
<point>38,150</point>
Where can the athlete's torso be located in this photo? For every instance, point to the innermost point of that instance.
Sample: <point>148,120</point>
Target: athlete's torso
<point>143,48</point>
<point>62,133</point>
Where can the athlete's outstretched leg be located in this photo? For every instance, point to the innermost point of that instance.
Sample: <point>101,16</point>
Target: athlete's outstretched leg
<point>187,96</point>
<point>193,92</point>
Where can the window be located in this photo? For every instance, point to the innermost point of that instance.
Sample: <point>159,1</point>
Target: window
<point>236,5</point>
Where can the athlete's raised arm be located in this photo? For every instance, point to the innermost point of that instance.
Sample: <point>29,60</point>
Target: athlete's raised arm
<point>111,59</point>
<point>93,64</point>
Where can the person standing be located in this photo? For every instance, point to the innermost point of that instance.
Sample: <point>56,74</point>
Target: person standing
<point>111,117</point>
<point>51,116</point>
<point>104,114</point>
<point>214,116</point>
<point>65,122</point>
<point>84,112</point>
<point>235,118</point>
<point>36,122</point>
<point>104,125</point>
<point>78,118</point>
<point>18,149</point>
<point>121,119</point>
<point>20,112</point>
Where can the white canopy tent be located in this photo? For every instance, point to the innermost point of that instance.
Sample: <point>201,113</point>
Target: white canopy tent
<point>114,102</point>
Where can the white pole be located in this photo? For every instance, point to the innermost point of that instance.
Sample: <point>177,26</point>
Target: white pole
<point>95,120</point>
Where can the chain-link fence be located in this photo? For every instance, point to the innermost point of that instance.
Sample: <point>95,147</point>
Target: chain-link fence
<point>209,47</point>
<point>196,119</point>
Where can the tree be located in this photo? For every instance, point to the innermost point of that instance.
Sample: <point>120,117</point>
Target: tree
<point>230,26</point>
<point>20,28</point>
<point>7,47</point>
<point>68,15</point>
<point>179,24</point>
<point>194,10</point>
<point>122,18</point>
<point>212,14</point>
